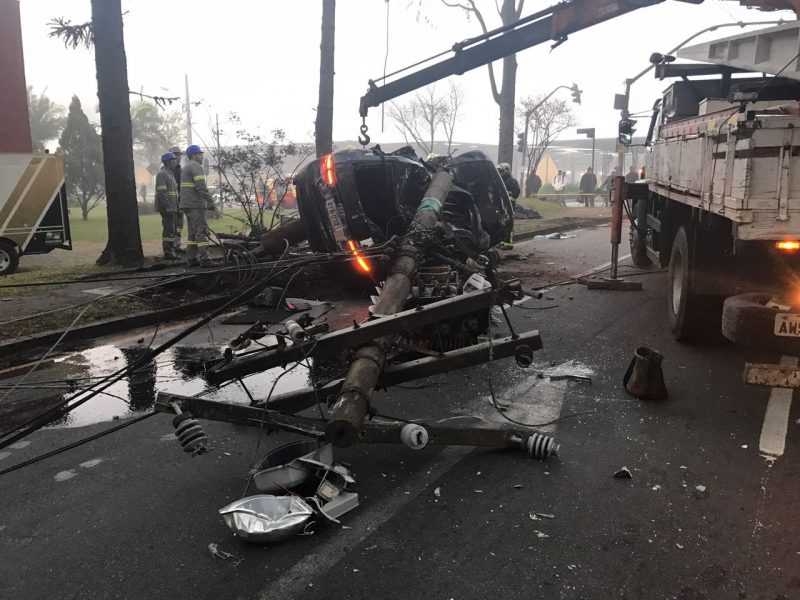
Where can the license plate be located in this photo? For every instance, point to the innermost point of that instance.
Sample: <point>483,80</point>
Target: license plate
<point>787,325</point>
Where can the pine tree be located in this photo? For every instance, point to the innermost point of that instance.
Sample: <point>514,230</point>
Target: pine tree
<point>83,159</point>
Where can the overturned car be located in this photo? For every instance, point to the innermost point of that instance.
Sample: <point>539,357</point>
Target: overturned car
<point>369,196</point>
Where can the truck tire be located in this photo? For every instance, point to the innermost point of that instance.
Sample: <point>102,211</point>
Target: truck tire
<point>746,320</point>
<point>692,317</point>
<point>638,244</point>
<point>9,257</point>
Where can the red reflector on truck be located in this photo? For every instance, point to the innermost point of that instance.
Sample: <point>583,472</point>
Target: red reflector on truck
<point>788,245</point>
<point>327,170</point>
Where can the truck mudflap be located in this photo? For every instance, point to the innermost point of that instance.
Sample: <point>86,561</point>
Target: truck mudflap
<point>755,321</point>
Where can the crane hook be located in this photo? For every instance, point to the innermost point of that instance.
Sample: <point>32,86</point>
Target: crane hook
<point>363,139</point>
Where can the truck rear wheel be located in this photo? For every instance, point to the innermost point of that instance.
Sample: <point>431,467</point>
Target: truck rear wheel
<point>691,316</point>
<point>9,257</point>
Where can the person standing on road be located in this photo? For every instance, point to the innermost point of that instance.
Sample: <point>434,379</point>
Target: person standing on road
<point>176,172</point>
<point>195,199</point>
<point>588,187</point>
<point>533,184</point>
<point>166,204</point>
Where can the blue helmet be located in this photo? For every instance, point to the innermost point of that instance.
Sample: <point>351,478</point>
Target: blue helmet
<point>167,156</point>
<point>193,149</point>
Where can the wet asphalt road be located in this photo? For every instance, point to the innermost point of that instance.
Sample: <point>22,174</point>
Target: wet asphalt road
<point>137,523</point>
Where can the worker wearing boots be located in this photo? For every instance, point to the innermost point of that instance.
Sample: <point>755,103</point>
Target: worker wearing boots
<point>166,204</point>
<point>195,199</point>
<point>176,171</point>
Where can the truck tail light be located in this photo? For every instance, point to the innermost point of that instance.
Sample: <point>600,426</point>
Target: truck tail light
<point>361,262</point>
<point>788,246</point>
<point>327,170</point>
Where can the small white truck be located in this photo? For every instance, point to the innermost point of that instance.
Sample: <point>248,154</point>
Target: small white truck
<point>34,218</point>
<point>720,204</point>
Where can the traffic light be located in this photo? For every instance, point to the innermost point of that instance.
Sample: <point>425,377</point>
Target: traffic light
<point>626,129</point>
<point>520,141</point>
<point>576,93</point>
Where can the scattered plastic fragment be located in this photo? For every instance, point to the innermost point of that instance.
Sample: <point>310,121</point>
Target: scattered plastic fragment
<point>437,492</point>
<point>517,486</point>
<point>478,491</point>
<point>679,546</point>
<point>541,534</point>
<point>700,491</point>
<point>623,473</point>
<point>656,487</point>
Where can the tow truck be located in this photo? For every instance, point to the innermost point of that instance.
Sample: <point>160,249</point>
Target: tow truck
<point>719,206</point>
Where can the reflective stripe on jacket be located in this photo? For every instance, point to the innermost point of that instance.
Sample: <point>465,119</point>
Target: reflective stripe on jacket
<point>194,193</point>
<point>166,191</point>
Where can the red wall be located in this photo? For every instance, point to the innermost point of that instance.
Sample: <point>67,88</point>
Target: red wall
<point>15,132</point>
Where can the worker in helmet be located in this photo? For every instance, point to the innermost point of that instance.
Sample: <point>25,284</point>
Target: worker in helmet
<point>512,185</point>
<point>176,172</point>
<point>167,204</point>
<point>195,200</point>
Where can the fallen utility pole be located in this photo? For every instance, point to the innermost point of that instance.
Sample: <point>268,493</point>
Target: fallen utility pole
<point>353,403</point>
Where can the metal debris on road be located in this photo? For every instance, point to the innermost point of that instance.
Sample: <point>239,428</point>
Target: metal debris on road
<point>538,516</point>
<point>517,486</point>
<point>623,473</point>
<point>216,552</point>
<point>644,378</point>
<point>265,518</point>
<point>555,236</point>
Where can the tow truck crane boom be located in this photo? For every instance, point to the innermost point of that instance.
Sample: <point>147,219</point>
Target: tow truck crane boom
<point>554,23</point>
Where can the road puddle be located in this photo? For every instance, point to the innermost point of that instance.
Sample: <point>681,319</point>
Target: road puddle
<point>178,370</point>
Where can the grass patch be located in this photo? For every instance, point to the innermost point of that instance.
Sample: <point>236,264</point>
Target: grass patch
<point>95,228</point>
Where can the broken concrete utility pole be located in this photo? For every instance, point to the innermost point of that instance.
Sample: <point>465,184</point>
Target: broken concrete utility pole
<point>352,405</point>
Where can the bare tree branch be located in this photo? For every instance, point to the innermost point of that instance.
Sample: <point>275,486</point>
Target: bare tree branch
<point>518,10</point>
<point>472,9</point>
<point>161,101</point>
<point>545,124</point>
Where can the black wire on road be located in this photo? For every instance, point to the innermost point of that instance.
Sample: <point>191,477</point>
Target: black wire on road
<point>59,411</point>
<point>80,442</point>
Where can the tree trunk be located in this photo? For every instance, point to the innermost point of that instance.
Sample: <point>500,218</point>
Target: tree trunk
<point>505,142</point>
<point>324,124</point>
<point>124,244</point>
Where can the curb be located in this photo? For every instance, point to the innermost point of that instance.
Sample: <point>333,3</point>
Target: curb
<point>15,351</point>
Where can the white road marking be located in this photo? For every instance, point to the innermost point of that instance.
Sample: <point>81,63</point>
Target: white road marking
<point>776,418</point>
<point>20,445</point>
<point>65,475</point>
<point>4,455</point>
<point>91,463</point>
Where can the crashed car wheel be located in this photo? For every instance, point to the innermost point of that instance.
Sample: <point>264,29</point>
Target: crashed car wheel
<point>747,320</point>
<point>9,257</point>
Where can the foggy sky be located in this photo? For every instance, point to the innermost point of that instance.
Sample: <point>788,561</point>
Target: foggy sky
<point>260,59</point>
